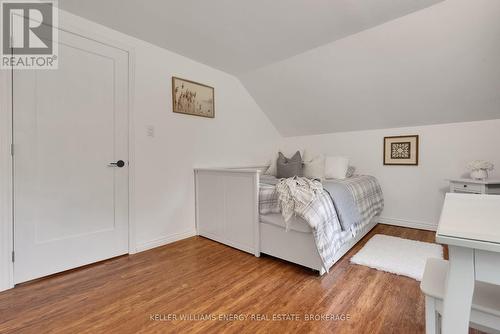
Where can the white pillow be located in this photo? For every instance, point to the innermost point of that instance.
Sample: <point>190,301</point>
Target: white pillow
<point>336,167</point>
<point>273,168</point>
<point>314,168</point>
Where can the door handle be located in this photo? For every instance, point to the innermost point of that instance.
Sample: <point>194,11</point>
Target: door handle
<point>119,164</point>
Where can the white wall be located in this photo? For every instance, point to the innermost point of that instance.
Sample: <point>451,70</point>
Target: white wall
<point>413,195</point>
<point>164,180</point>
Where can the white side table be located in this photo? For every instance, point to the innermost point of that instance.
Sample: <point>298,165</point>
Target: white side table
<point>470,186</point>
<point>470,226</point>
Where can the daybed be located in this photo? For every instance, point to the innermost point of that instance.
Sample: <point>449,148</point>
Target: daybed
<point>227,211</point>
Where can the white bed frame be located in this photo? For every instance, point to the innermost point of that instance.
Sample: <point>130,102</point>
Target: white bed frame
<point>227,211</point>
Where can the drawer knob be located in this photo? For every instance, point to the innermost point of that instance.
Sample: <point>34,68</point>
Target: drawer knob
<point>465,186</point>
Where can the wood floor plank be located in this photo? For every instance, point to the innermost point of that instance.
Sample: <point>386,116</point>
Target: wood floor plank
<point>198,277</point>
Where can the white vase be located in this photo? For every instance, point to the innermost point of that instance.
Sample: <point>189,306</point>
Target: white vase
<point>479,174</point>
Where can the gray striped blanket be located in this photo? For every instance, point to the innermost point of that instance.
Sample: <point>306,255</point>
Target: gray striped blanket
<point>368,198</point>
<point>364,193</point>
<point>320,214</point>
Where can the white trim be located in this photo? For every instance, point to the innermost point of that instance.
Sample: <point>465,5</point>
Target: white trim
<point>408,223</point>
<point>196,201</point>
<point>259,167</point>
<point>256,215</point>
<point>165,240</point>
<point>6,233</point>
<point>132,244</point>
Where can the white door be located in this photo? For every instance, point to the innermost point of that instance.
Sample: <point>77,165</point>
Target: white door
<point>70,207</point>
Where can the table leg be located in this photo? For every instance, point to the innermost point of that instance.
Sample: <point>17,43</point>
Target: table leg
<point>459,291</point>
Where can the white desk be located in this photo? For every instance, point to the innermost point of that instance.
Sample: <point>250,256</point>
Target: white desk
<point>470,226</point>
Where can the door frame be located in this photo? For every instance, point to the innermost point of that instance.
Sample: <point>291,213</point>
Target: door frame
<point>79,26</point>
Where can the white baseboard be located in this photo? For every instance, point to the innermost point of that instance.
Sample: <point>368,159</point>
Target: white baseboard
<point>408,223</point>
<point>165,240</point>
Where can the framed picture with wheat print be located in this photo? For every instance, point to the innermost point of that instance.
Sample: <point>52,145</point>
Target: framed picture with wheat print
<point>401,150</point>
<point>192,98</point>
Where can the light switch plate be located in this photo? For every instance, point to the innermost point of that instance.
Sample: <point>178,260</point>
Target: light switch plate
<point>150,131</point>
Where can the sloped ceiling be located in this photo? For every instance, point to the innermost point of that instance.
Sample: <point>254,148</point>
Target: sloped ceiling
<point>438,65</point>
<point>333,65</point>
<point>240,35</point>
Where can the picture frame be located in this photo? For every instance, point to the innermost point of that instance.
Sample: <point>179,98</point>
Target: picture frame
<point>192,98</point>
<point>401,150</point>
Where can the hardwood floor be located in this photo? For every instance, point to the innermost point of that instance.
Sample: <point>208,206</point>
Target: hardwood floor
<point>196,277</point>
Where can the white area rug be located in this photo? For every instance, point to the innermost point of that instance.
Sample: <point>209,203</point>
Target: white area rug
<point>396,255</point>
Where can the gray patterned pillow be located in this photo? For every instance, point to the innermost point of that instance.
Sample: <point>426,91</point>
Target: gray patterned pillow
<point>289,167</point>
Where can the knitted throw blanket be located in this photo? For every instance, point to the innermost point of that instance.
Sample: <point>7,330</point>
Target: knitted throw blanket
<point>295,194</point>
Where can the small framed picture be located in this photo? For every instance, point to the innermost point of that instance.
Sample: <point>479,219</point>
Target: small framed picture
<point>192,98</point>
<point>401,150</point>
